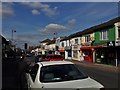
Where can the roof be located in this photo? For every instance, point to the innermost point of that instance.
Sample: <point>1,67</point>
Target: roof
<point>54,63</point>
<point>51,42</point>
<point>4,41</point>
<point>45,41</point>
<point>96,28</point>
<point>65,38</point>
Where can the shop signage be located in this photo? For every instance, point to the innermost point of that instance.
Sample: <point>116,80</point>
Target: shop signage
<point>67,48</point>
<point>112,43</point>
<point>76,47</point>
<point>86,44</point>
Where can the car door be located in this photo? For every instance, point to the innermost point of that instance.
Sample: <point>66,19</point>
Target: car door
<point>32,76</point>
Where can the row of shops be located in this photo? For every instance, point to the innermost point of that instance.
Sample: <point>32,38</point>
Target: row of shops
<point>97,44</point>
<point>103,54</point>
<point>108,53</point>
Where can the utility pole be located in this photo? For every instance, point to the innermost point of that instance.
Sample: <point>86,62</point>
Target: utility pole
<point>12,33</point>
<point>12,39</point>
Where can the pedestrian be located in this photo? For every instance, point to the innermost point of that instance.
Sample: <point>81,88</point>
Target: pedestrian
<point>81,56</point>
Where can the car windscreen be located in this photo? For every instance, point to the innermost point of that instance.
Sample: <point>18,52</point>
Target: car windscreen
<point>58,73</point>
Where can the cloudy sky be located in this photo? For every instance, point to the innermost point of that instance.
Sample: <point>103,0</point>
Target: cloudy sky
<point>36,21</point>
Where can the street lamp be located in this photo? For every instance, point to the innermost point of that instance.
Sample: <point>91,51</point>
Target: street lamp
<point>13,47</point>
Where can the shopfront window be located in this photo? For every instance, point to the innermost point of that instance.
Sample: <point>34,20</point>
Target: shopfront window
<point>75,54</point>
<point>69,53</point>
<point>86,53</point>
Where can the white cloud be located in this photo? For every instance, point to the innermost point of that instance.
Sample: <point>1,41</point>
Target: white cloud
<point>35,12</point>
<point>49,12</point>
<point>35,5</point>
<point>42,7</point>
<point>72,22</point>
<point>7,10</point>
<point>51,28</point>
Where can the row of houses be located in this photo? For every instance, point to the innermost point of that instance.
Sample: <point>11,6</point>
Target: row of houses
<point>98,44</point>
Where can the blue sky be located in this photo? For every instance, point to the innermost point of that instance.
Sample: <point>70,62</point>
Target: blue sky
<point>35,21</point>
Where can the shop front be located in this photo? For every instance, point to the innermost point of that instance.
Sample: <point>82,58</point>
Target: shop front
<point>68,52</point>
<point>117,46</point>
<point>88,52</point>
<point>62,53</point>
<point>76,52</point>
<point>99,54</point>
<point>108,54</point>
<point>51,51</point>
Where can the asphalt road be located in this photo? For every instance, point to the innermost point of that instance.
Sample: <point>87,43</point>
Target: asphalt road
<point>14,74</point>
<point>106,78</point>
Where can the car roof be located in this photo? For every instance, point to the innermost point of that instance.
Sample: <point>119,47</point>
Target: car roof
<point>46,63</point>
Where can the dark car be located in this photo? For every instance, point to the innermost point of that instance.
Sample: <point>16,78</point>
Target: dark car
<point>29,55</point>
<point>40,58</point>
<point>54,57</point>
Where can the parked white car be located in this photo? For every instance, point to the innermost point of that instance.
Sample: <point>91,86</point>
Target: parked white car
<point>60,74</point>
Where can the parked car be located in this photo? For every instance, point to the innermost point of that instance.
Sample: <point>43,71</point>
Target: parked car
<point>59,74</point>
<point>29,55</point>
<point>53,57</point>
<point>40,58</point>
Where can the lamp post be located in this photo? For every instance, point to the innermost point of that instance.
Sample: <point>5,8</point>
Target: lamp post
<point>56,46</point>
<point>12,38</point>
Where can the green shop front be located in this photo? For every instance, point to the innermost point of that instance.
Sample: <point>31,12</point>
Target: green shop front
<point>107,54</point>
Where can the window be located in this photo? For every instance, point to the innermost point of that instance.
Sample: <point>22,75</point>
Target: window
<point>59,73</point>
<point>75,54</point>
<point>76,41</point>
<point>33,72</point>
<point>119,32</point>
<point>62,44</point>
<point>104,35</point>
<point>69,53</point>
<point>87,38</point>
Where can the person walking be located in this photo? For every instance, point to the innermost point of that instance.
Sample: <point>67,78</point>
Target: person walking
<point>81,56</point>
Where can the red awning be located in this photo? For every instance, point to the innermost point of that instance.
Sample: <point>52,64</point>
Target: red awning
<point>90,48</point>
<point>98,47</point>
<point>61,50</point>
<point>86,48</point>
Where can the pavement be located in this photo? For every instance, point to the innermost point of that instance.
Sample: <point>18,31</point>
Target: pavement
<point>103,67</point>
<point>13,74</point>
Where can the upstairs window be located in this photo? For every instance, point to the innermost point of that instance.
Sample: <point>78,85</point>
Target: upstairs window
<point>87,38</point>
<point>76,41</point>
<point>62,44</point>
<point>104,35</point>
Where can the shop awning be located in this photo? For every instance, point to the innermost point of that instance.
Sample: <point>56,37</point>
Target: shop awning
<point>86,48</point>
<point>90,48</point>
<point>61,50</point>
